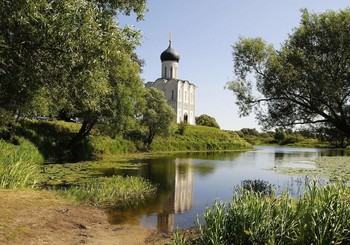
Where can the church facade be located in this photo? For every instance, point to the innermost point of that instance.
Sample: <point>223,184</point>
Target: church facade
<point>180,94</point>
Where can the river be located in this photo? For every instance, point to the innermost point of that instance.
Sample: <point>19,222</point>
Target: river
<point>187,183</point>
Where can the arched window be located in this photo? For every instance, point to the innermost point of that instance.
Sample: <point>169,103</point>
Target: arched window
<point>165,75</point>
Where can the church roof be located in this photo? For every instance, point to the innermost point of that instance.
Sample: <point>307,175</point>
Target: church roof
<point>170,54</point>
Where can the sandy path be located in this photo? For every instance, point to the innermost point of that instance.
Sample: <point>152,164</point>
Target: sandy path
<point>41,217</point>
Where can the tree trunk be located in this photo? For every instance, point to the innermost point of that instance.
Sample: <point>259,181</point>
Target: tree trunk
<point>83,132</point>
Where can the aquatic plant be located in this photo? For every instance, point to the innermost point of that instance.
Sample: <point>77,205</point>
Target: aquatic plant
<point>320,216</point>
<point>257,185</point>
<point>112,191</point>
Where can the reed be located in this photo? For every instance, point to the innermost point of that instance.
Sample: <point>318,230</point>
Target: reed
<point>19,165</point>
<point>112,191</point>
<point>320,216</point>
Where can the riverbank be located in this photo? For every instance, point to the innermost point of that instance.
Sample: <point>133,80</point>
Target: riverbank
<point>42,217</point>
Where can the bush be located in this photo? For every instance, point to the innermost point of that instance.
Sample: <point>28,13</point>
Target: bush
<point>205,120</point>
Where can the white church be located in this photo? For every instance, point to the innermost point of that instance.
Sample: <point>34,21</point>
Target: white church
<point>180,94</point>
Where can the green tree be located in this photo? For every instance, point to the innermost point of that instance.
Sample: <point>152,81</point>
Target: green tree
<point>280,135</point>
<point>74,53</point>
<point>250,131</point>
<point>157,116</point>
<point>305,82</point>
<point>206,120</point>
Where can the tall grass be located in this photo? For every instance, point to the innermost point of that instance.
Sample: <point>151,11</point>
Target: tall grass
<point>116,191</point>
<point>19,165</point>
<point>320,216</point>
<point>107,145</point>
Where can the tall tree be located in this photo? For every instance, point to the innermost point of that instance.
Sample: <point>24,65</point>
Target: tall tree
<point>307,81</point>
<point>157,116</point>
<point>76,53</point>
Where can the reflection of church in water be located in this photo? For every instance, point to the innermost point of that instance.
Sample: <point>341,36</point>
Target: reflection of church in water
<point>180,198</point>
<point>174,180</point>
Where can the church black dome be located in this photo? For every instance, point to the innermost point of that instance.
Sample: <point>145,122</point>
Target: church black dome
<point>170,54</point>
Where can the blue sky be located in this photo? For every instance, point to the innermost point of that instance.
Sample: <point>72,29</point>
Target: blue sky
<point>203,32</point>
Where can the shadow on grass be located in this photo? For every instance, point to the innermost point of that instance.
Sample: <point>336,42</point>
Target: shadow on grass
<point>52,140</point>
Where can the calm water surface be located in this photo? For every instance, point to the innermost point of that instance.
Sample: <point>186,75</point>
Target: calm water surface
<point>187,183</point>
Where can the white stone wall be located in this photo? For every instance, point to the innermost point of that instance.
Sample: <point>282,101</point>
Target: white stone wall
<point>186,102</point>
<point>170,69</point>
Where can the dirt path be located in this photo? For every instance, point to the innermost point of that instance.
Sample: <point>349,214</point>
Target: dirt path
<point>41,217</point>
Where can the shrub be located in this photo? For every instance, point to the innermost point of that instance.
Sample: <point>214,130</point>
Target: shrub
<point>205,120</point>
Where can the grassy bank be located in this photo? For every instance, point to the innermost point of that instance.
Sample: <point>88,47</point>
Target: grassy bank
<point>21,167</point>
<point>51,139</point>
<point>200,138</point>
<point>320,216</point>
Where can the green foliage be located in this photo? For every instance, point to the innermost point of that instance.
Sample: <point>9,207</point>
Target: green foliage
<point>19,165</point>
<point>280,134</point>
<point>205,120</point>
<point>292,139</point>
<point>157,116</point>
<point>70,55</point>
<point>182,128</point>
<point>51,139</point>
<point>324,216</point>
<point>320,216</point>
<point>115,191</point>
<point>260,186</point>
<point>107,145</point>
<point>254,137</point>
<point>200,138</point>
<point>303,83</point>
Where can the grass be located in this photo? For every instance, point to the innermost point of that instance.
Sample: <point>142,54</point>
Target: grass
<point>112,191</point>
<point>107,145</point>
<point>320,216</point>
<point>200,138</point>
<point>19,165</point>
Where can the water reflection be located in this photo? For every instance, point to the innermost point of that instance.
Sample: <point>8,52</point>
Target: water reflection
<point>174,178</point>
<point>188,182</point>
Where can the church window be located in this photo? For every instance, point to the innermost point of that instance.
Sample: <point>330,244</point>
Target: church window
<point>171,71</point>
<point>172,94</point>
<point>165,72</point>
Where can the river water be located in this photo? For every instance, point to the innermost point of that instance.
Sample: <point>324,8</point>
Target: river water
<point>187,183</point>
